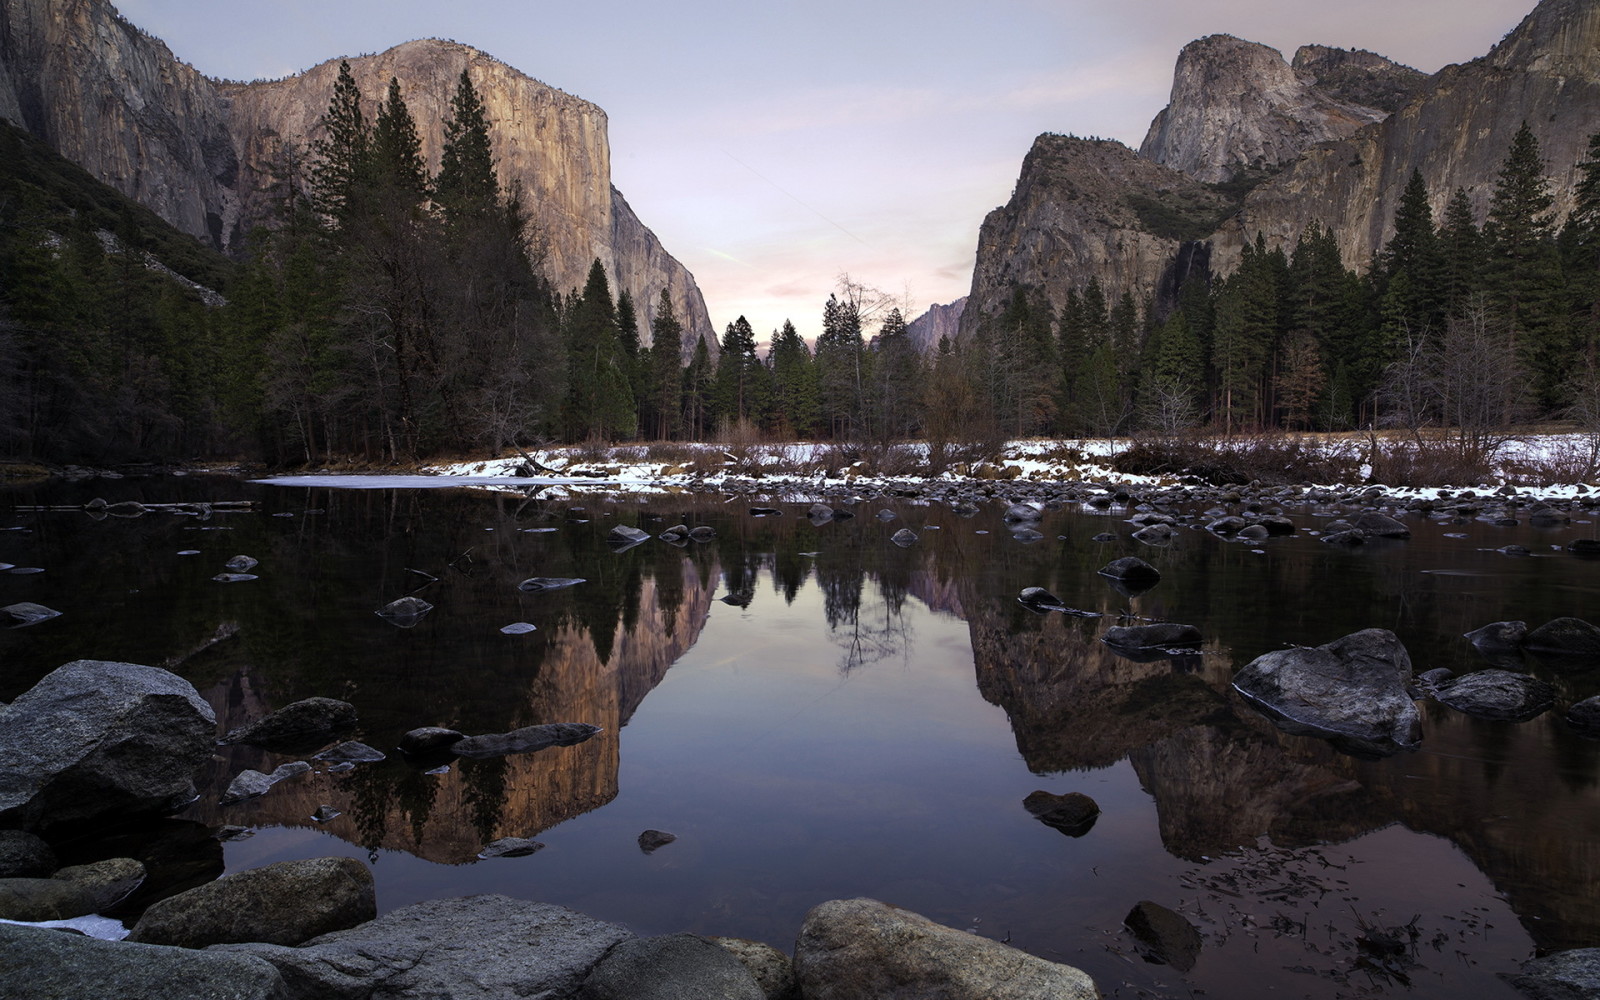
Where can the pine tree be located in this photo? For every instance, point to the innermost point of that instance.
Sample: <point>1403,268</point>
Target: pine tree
<point>1525,268</point>
<point>738,394</point>
<point>466,184</point>
<point>1580,244</point>
<point>397,150</point>
<point>1413,251</point>
<point>1462,256</point>
<point>794,382</point>
<point>839,367</point>
<point>341,155</point>
<point>697,382</point>
<point>1246,335</point>
<point>599,399</point>
<point>666,364</point>
<point>897,390</point>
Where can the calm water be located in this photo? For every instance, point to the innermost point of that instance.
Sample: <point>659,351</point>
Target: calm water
<point>862,720</point>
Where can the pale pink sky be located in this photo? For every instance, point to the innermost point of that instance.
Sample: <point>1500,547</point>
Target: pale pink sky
<point>774,146</point>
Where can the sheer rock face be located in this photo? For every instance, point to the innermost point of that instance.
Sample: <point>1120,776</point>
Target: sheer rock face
<point>201,152</point>
<point>1237,105</point>
<point>939,321</point>
<point>1069,219</point>
<point>1455,129</point>
<point>1357,76</point>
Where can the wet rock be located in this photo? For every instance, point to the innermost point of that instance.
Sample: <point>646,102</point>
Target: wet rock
<point>1226,525</point>
<point>405,612</point>
<point>1584,547</point>
<point>820,513</point>
<point>540,584</point>
<point>625,537</point>
<point>1026,536</point>
<point>772,969</point>
<point>1073,814</point>
<point>98,741</point>
<point>325,813</point>
<point>1155,534</point>
<point>765,512</point>
<point>1498,636</point>
<point>885,515</point>
<point>71,892</point>
<point>1380,525</point>
<point>429,740</point>
<point>904,538</point>
<point>1349,538</point>
<point>1548,518</point>
<point>670,967</point>
<point>1514,550</point>
<point>525,740</point>
<point>1161,636</point>
<point>297,727</point>
<point>652,840</point>
<point>287,903</point>
<point>1429,680</point>
<point>1133,571</point>
<point>1497,694</point>
<point>1277,525</point>
<point>466,949</point>
<point>518,628</point>
<point>23,855</point>
<point>1585,715</point>
<point>235,577</point>
<point>1254,533</point>
<point>1165,935</point>
<point>25,613</point>
<point>1104,536</point>
<point>1354,687</point>
<point>240,564</point>
<point>351,751</point>
<point>230,833</point>
<point>861,949</point>
<point>703,533</point>
<point>249,784</point>
<point>510,847</point>
<point>840,514</point>
<point>1566,636</point>
<point>1039,599</point>
<point>1566,975</point>
<point>1019,513</point>
<point>38,964</point>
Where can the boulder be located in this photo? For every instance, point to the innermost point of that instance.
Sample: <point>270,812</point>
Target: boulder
<point>351,752</point>
<point>472,948</point>
<point>1566,636</point>
<point>625,536</point>
<point>1354,687</point>
<point>72,892</point>
<point>703,533</point>
<point>1496,694</point>
<point>1164,935</point>
<point>241,564</point>
<point>1498,636</point>
<point>1154,534</point>
<point>1380,525</point>
<point>1254,533</point>
<point>772,969</point>
<point>38,964</point>
<point>1226,525</point>
<point>1041,600</point>
<point>510,847</point>
<point>1133,571</point>
<point>525,740</point>
<point>1026,536</point>
<point>820,513</point>
<point>1566,975</point>
<point>1585,715</point>
<point>249,784</point>
<point>861,949</point>
<point>1162,635</point>
<point>1349,538</point>
<point>1022,512</point>
<point>97,741</point>
<point>298,727</point>
<point>286,903</point>
<point>429,740</point>
<point>404,612</point>
<point>25,613</point>
<point>1073,814</point>
<point>670,967</point>
<point>23,855</point>
<point>651,841</point>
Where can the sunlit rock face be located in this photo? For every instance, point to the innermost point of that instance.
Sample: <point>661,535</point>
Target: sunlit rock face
<point>448,817</point>
<point>1238,104</point>
<point>201,152</point>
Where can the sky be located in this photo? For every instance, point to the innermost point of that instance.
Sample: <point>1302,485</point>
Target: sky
<point>776,147</point>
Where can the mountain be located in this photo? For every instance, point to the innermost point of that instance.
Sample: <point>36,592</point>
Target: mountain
<point>1252,145</point>
<point>201,153</point>
<point>939,321</point>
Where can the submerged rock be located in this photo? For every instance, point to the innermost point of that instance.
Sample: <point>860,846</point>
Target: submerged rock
<point>510,847</point>
<point>625,537</point>
<point>297,727</point>
<point>286,903</point>
<point>1074,813</point>
<point>652,840</point>
<point>670,967</point>
<point>405,612</point>
<point>240,564</point>
<point>861,948</point>
<point>98,741</point>
<point>25,613</point>
<point>1585,716</point>
<point>475,948</point>
<point>1380,525</point>
<point>352,752</point>
<point>429,740</point>
<point>1133,571</point>
<point>540,584</point>
<point>1496,694</point>
<point>1158,636</point>
<point>1354,687</point>
<point>525,740</point>
<point>1165,935</point>
<point>1039,599</point>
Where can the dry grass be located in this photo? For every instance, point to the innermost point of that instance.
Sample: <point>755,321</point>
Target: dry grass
<point>1274,459</point>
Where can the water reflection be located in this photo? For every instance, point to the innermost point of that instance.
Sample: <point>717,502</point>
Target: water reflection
<point>1520,800</point>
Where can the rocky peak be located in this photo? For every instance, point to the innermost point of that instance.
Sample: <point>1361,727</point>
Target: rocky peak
<point>1558,38</point>
<point>1239,105</point>
<point>1357,76</point>
<point>939,321</point>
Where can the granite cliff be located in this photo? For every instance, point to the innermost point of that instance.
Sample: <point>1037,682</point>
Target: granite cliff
<point>1332,139</point>
<point>939,321</point>
<point>199,152</point>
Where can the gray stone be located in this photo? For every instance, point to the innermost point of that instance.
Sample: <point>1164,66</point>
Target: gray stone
<point>510,847</point>
<point>1566,975</point>
<point>240,564</point>
<point>23,855</point>
<point>351,751</point>
<point>651,841</point>
<point>703,533</point>
<point>299,726</point>
<point>772,969</point>
<point>1497,694</point>
<point>109,882</point>
<point>286,903</point>
<point>861,949</point>
<point>1226,525</point>
<point>1074,813</point>
<point>1166,936</point>
<point>1254,533</point>
<point>1354,687</point>
<point>1131,570</point>
<point>38,964</point>
<point>1349,538</point>
<point>540,584</point>
<point>97,740</point>
<point>404,612</point>
<point>1161,636</point>
<point>1154,534</point>
<point>1569,636</point>
<point>1022,512</point>
<point>473,948</point>
<point>430,740</point>
<point>670,967</point>
<point>34,899</point>
<point>25,613</point>
<point>1585,715</point>
<point>1498,636</point>
<point>1380,525</point>
<point>626,536</point>
<point>1040,599</point>
<point>820,513</point>
<point>249,784</point>
<point>525,740</point>
<point>904,537</point>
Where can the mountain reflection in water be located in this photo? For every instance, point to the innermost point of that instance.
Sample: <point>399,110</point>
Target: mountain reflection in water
<point>850,721</point>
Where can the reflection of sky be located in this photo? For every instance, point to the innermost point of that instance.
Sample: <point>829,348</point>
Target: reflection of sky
<point>773,146</point>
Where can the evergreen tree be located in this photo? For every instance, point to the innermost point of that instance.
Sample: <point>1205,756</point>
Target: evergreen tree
<point>1462,255</point>
<point>739,391</point>
<point>698,379</point>
<point>396,152</point>
<point>342,153</point>
<point>1525,269</point>
<point>666,365</point>
<point>1413,251</point>
<point>466,184</point>
<point>896,399</point>
<point>1246,336</point>
<point>1580,246</point>
<point>599,399</point>
<point>794,382</point>
<point>839,367</point>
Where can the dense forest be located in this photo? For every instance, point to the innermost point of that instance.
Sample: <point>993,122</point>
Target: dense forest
<point>390,313</point>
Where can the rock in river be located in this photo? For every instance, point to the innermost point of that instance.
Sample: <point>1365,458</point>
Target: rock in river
<point>1498,636</point>
<point>97,740</point>
<point>525,740</point>
<point>297,727</point>
<point>1566,636</point>
<point>1073,813</point>
<point>861,949</point>
<point>1165,935</point>
<point>1497,694</point>
<point>1354,687</point>
<point>540,584</point>
<point>429,740</point>
<point>1161,635</point>
<point>25,613</point>
<point>1133,571</point>
<point>405,612</point>
<point>286,903</point>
